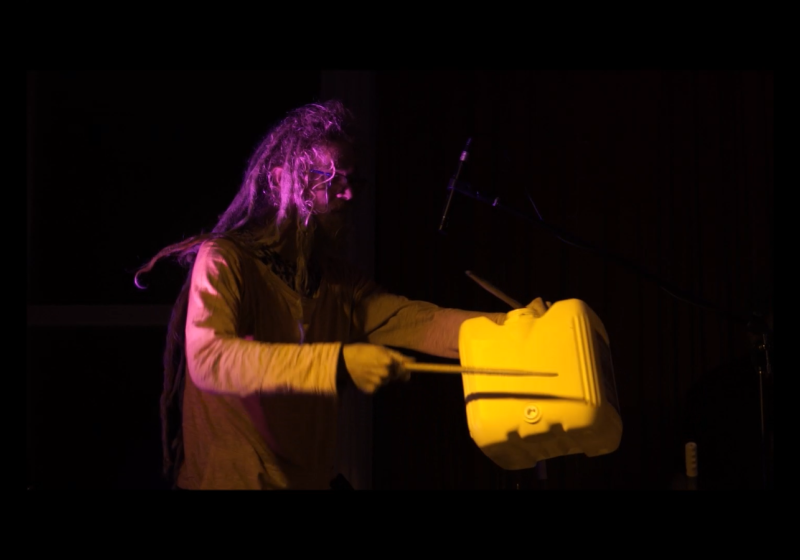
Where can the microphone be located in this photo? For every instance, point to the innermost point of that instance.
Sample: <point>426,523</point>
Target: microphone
<point>452,185</point>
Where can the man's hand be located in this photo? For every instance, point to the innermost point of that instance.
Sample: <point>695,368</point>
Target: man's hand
<point>371,365</point>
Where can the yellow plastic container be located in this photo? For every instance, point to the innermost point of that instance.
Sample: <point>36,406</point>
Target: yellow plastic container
<point>518,421</point>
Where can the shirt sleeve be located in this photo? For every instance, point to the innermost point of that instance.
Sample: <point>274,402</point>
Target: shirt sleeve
<point>397,321</point>
<point>220,361</point>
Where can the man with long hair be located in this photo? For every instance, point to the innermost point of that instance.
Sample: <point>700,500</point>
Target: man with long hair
<point>271,323</point>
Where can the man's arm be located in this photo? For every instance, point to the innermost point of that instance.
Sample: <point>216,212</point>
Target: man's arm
<point>220,361</point>
<point>397,321</point>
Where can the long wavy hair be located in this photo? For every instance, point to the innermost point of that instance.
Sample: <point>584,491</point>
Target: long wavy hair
<point>264,198</point>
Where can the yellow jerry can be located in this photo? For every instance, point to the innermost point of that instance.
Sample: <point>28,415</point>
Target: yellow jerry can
<point>567,405</point>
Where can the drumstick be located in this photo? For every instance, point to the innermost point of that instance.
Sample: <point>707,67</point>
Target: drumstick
<point>494,291</point>
<point>446,368</point>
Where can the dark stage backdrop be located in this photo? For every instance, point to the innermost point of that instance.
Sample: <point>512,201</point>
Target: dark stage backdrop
<point>670,171</point>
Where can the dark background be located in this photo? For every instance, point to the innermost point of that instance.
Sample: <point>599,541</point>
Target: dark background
<point>669,173</point>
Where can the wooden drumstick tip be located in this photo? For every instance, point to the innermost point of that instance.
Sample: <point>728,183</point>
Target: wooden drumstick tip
<point>494,291</point>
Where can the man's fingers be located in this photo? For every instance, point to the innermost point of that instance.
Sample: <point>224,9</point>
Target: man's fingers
<point>397,368</point>
<point>401,372</point>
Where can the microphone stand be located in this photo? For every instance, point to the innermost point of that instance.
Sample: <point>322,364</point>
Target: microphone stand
<point>569,238</point>
<point>762,362</point>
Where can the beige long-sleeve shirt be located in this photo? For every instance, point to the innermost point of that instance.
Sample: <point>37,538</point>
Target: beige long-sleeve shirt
<point>259,408</point>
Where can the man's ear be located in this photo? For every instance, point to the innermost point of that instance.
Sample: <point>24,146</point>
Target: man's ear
<point>276,174</point>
